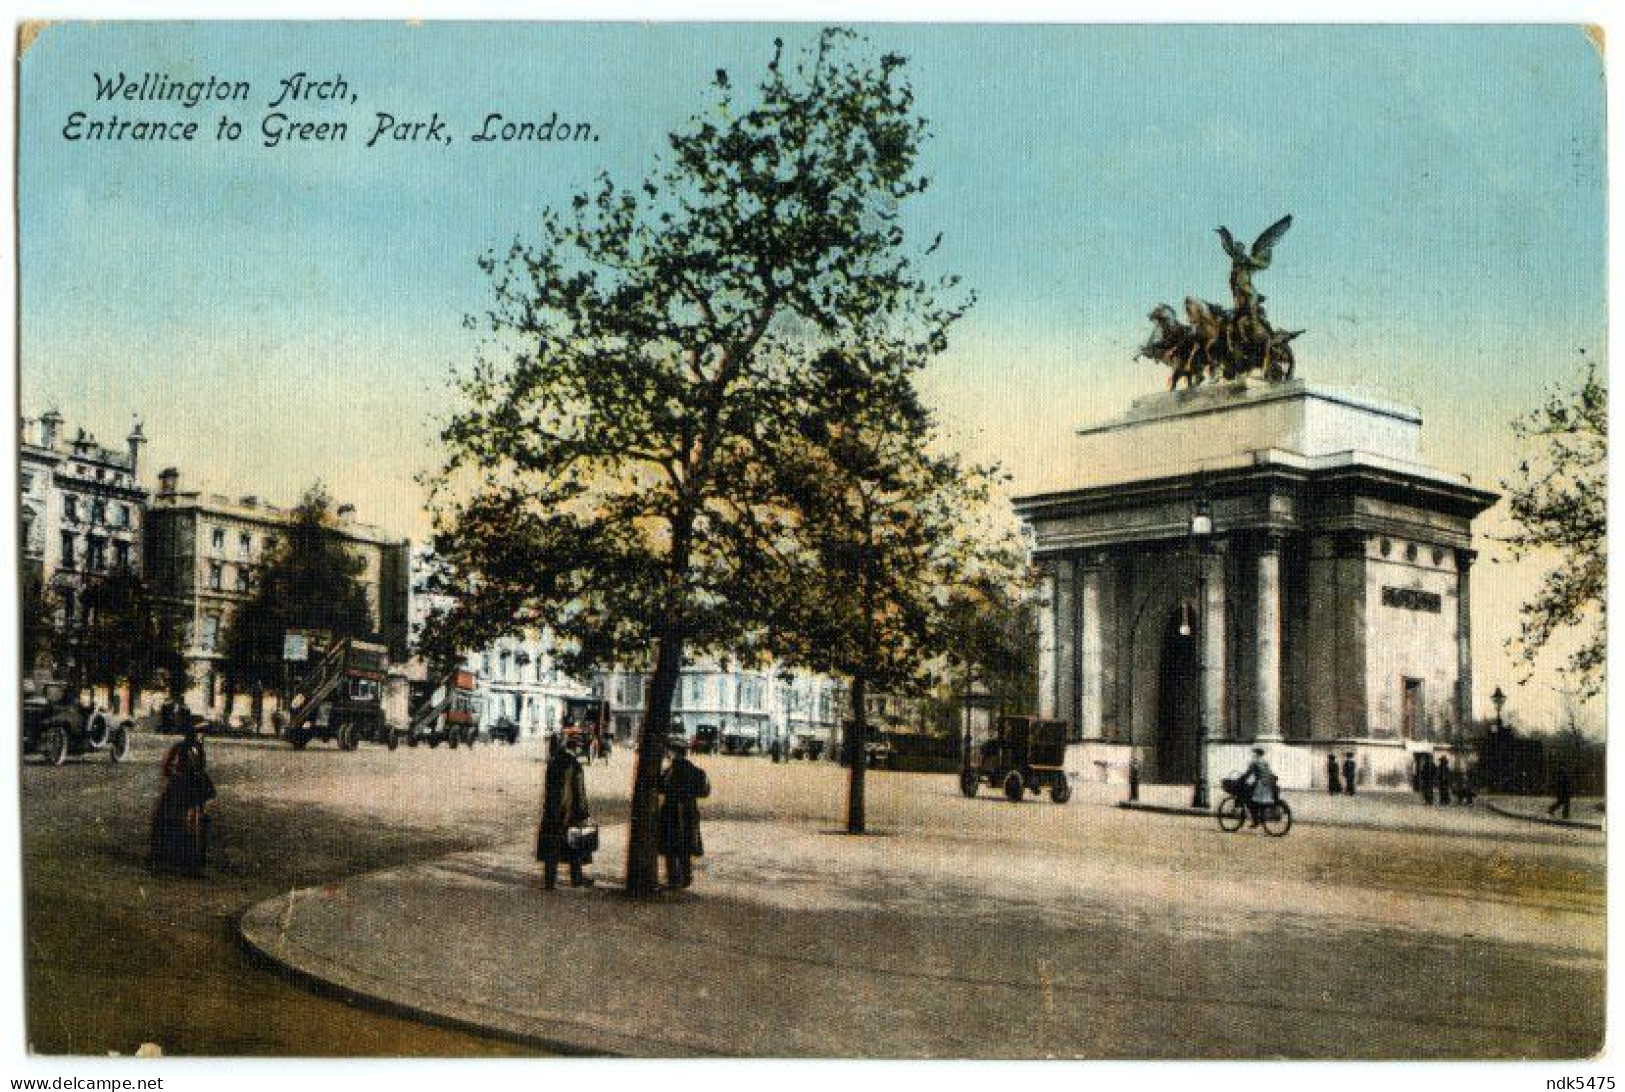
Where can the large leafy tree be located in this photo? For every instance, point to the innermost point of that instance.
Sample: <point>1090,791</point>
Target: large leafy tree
<point>884,536</point>
<point>120,634</point>
<point>1559,501</point>
<point>608,475</point>
<point>309,581</point>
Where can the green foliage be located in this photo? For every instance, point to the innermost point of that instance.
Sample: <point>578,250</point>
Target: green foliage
<point>609,474</point>
<point>310,581</point>
<point>120,634</point>
<point>1559,500</point>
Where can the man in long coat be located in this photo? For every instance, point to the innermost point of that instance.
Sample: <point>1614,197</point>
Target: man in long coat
<point>1334,782</point>
<point>1348,774</point>
<point>564,805</point>
<point>682,785</point>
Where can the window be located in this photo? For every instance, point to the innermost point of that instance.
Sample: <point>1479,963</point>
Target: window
<point>215,572</point>
<point>28,481</point>
<point>211,631</point>
<point>70,510</point>
<point>217,538</point>
<point>242,578</point>
<point>96,555</point>
<point>124,515</point>
<point>121,556</point>
<point>67,549</point>
<point>244,544</point>
<point>98,511</point>
<point>69,601</point>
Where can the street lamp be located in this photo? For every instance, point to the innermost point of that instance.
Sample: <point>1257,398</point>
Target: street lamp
<point>1201,538</point>
<point>1499,700</point>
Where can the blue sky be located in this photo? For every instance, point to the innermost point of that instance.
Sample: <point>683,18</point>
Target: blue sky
<point>1447,184</point>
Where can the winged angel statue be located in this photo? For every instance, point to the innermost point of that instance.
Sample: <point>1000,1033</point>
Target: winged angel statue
<point>1223,343</point>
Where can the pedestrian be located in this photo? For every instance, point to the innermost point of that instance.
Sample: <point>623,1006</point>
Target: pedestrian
<point>564,807</point>
<point>1262,784</point>
<point>682,785</point>
<point>1348,774</point>
<point>179,836</point>
<point>1424,774</point>
<point>1564,788</point>
<point>775,751</point>
<point>1334,783</point>
<point>1444,780</point>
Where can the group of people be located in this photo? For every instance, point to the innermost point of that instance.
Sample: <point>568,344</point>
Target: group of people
<point>1340,779</point>
<point>563,836</point>
<point>1439,782</point>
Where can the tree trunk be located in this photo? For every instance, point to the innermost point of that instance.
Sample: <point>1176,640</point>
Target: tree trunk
<point>257,707</point>
<point>642,843</point>
<point>857,751</point>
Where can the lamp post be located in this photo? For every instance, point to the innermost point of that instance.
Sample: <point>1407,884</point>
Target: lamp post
<point>1201,538</point>
<point>1499,700</point>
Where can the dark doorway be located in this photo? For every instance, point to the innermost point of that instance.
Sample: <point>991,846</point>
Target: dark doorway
<point>1179,730</point>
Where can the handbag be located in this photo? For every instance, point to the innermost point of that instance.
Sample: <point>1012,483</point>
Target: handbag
<point>582,840</point>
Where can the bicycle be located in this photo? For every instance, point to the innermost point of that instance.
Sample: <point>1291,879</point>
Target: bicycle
<point>1276,818</point>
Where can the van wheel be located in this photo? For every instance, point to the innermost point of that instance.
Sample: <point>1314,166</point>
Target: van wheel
<point>392,739</point>
<point>1013,788</point>
<point>969,782</point>
<point>346,737</point>
<point>1060,791</point>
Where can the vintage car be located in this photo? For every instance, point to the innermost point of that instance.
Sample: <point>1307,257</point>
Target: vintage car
<point>705,741</point>
<point>504,730</point>
<point>1023,755</point>
<point>56,725</point>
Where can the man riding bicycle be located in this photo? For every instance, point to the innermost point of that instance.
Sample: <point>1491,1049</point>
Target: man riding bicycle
<point>1262,788</point>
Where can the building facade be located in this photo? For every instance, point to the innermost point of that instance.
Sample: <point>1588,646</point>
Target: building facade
<point>204,551</point>
<point>1292,577</point>
<point>82,509</point>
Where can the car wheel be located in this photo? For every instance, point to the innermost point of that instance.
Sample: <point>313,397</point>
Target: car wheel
<point>412,739</point>
<point>96,730</point>
<point>434,741</point>
<point>118,743</point>
<point>392,739</point>
<point>1060,791</point>
<point>451,740</point>
<point>969,782</point>
<point>346,737</point>
<point>298,737</point>
<point>1013,788</point>
<point>53,745</point>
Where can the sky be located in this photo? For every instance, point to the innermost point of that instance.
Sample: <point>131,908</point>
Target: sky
<point>279,315</point>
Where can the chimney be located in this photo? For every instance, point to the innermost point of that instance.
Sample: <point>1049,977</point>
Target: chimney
<point>346,511</point>
<point>47,428</point>
<point>168,478</point>
<point>135,440</point>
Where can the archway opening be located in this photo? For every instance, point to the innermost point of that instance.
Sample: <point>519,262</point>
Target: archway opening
<point>1179,729</point>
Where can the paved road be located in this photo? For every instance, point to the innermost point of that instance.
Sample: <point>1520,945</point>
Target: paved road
<point>1082,930</point>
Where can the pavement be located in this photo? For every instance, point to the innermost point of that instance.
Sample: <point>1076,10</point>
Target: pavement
<point>1000,937</point>
<point>1386,810</point>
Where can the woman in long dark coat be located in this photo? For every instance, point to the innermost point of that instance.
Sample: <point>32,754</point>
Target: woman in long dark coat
<point>564,805</point>
<point>180,826</point>
<point>682,785</point>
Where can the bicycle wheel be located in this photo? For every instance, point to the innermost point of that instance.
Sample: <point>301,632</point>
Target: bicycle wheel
<point>1277,819</point>
<point>1232,813</point>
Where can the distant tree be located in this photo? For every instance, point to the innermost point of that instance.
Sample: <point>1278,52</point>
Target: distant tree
<point>119,636</point>
<point>884,533</point>
<point>39,606</point>
<point>1559,500</point>
<point>310,581</point>
<point>607,477</point>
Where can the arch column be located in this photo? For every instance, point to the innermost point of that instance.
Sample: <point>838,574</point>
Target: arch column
<point>1267,723</point>
<point>1091,647</point>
